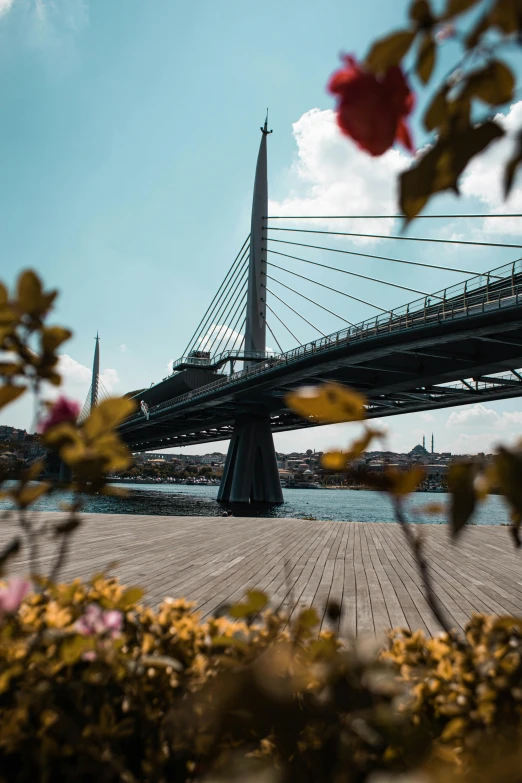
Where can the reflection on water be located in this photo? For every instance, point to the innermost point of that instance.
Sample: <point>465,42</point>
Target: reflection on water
<point>357,506</point>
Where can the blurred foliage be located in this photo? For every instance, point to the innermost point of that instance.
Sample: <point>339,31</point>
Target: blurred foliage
<point>460,111</point>
<point>468,690</point>
<point>171,697</point>
<point>90,449</point>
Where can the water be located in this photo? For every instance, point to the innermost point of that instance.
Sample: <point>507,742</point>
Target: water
<point>349,505</point>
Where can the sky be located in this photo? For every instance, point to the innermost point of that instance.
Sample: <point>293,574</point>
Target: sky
<point>128,143</point>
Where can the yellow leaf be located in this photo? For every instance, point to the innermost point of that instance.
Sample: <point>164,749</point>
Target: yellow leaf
<point>60,433</point>
<point>461,484</point>
<point>512,166</point>
<point>9,394</point>
<point>306,620</point>
<point>506,16</point>
<point>508,471</point>
<point>8,369</point>
<point>440,167</point>
<point>338,460</point>
<point>29,292</point>
<point>402,482</point>
<point>455,728</point>
<point>74,647</point>
<point>492,84</point>
<point>108,415</point>
<point>29,494</point>
<point>334,460</point>
<point>328,403</point>
<point>389,51</point>
<point>7,316</point>
<point>32,472</point>
<point>130,598</point>
<point>433,508</point>
<point>229,641</point>
<point>255,602</point>
<point>426,58</point>
<point>53,336</point>
<point>420,12</point>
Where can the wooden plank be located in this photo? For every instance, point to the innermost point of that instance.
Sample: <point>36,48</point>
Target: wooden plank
<point>367,567</point>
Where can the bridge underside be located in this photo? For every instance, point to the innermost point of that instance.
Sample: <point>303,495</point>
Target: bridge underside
<point>442,364</point>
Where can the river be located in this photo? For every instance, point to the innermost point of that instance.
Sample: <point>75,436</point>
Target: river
<point>342,505</point>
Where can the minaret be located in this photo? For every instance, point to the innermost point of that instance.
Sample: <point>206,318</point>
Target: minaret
<point>255,330</point>
<point>95,374</point>
<point>432,443</point>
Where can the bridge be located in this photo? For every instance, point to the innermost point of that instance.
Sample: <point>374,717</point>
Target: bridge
<point>459,345</point>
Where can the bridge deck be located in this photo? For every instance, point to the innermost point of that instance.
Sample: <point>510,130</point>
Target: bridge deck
<point>214,560</point>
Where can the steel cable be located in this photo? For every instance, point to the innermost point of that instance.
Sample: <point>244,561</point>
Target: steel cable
<point>237,261</point>
<point>295,291</point>
<point>355,274</point>
<point>335,290</point>
<point>379,258</point>
<point>388,236</point>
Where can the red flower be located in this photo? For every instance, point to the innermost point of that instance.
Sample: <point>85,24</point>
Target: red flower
<point>372,110</point>
<point>62,410</point>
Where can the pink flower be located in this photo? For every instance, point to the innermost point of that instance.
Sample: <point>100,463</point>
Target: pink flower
<point>113,621</point>
<point>12,596</point>
<point>62,410</point>
<point>96,621</point>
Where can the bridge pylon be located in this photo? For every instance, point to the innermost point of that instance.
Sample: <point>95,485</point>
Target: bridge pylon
<point>95,382</point>
<point>251,473</point>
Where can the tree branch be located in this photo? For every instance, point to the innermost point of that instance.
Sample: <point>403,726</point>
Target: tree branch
<point>415,544</point>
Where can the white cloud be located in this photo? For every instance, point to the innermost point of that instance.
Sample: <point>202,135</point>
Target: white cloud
<point>123,347</point>
<point>477,416</point>
<point>484,176</point>
<point>48,23</point>
<point>216,334</point>
<point>76,379</point>
<point>332,176</point>
<point>482,419</point>
<point>427,416</point>
<point>5,6</point>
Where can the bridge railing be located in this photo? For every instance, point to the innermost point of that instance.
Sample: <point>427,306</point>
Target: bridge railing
<point>501,287</point>
<point>185,362</point>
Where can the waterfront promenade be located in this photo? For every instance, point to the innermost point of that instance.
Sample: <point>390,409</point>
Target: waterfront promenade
<point>365,566</point>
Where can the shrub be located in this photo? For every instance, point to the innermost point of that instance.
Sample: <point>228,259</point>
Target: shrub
<point>95,686</point>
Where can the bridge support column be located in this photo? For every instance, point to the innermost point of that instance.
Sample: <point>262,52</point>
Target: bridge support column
<point>251,474</point>
<point>65,473</point>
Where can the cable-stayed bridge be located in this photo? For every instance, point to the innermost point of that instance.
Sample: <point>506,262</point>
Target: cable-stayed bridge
<point>459,345</point>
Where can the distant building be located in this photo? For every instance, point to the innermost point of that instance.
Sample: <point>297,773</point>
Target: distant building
<point>9,434</point>
<point>418,452</point>
<point>210,459</point>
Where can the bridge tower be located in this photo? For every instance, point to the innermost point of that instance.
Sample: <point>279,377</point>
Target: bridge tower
<point>91,402</point>
<point>251,473</point>
<point>95,382</point>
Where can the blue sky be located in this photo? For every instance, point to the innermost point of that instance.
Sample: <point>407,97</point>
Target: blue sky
<point>128,142</point>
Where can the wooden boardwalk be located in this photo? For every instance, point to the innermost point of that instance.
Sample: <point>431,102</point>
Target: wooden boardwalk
<point>365,566</point>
